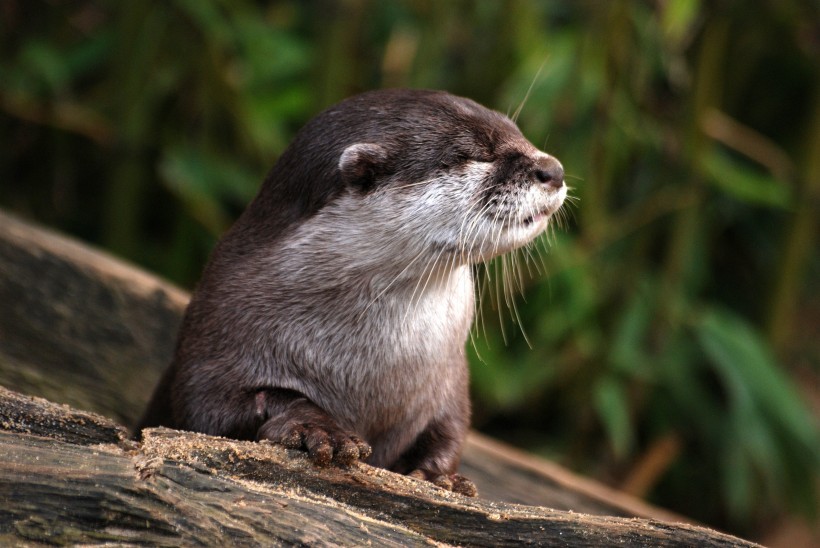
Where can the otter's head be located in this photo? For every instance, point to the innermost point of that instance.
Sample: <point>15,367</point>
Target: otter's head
<point>419,173</point>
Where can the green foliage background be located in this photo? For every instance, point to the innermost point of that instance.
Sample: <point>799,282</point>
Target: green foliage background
<point>674,338</point>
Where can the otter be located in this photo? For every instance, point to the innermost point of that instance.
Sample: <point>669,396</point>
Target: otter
<point>333,315</point>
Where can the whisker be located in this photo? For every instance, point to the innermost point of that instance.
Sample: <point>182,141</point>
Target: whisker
<point>517,112</point>
<point>498,306</point>
<point>474,228</point>
<point>430,272</point>
<point>514,310</point>
<point>389,285</point>
<point>409,185</point>
<point>482,287</point>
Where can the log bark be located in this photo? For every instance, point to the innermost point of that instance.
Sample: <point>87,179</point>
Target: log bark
<point>69,476</point>
<point>78,326</point>
<point>81,328</point>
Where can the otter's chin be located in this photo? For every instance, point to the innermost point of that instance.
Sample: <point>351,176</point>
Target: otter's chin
<point>511,237</point>
<point>522,233</point>
<point>518,232</point>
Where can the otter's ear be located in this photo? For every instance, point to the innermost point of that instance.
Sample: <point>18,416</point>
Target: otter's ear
<point>360,163</point>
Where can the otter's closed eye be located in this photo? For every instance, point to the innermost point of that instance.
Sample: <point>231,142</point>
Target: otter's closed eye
<point>477,154</point>
<point>460,158</point>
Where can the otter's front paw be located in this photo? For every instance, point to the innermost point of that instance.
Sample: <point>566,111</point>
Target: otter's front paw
<point>451,482</point>
<point>324,443</point>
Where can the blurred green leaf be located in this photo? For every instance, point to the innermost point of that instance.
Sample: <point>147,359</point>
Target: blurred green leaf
<point>744,183</point>
<point>210,20</point>
<point>681,381</point>
<point>44,63</point>
<point>628,354</point>
<point>269,55</point>
<point>678,17</point>
<point>88,55</point>
<point>265,115</point>
<point>774,429</point>
<point>611,404</point>
<point>752,377</point>
<point>205,182</point>
<point>736,485</point>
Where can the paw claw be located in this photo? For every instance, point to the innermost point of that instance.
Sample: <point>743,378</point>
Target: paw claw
<point>346,451</point>
<point>293,439</point>
<point>321,455</point>
<point>464,486</point>
<point>443,481</point>
<point>451,482</point>
<point>362,447</point>
<point>323,444</point>
<point>417,474</point>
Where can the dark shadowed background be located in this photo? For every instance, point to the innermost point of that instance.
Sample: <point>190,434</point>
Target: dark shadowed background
<point>673,320</point>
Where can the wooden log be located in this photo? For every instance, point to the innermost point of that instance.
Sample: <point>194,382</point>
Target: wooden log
<point>40,417</point>
<point>78,326</point>
<point>184,488</point>
<point>59,493</point>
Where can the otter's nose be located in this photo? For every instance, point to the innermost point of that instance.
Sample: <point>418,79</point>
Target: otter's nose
<point>549,171</point>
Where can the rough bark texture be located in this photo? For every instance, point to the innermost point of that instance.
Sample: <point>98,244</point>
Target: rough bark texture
<point>71,477</point>
<point>78,326</point>
<point>81,328</point>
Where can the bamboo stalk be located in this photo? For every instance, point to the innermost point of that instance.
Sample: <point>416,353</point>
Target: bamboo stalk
<point>799,241</point>
<point>140,29</point>
<point>689,222</point>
